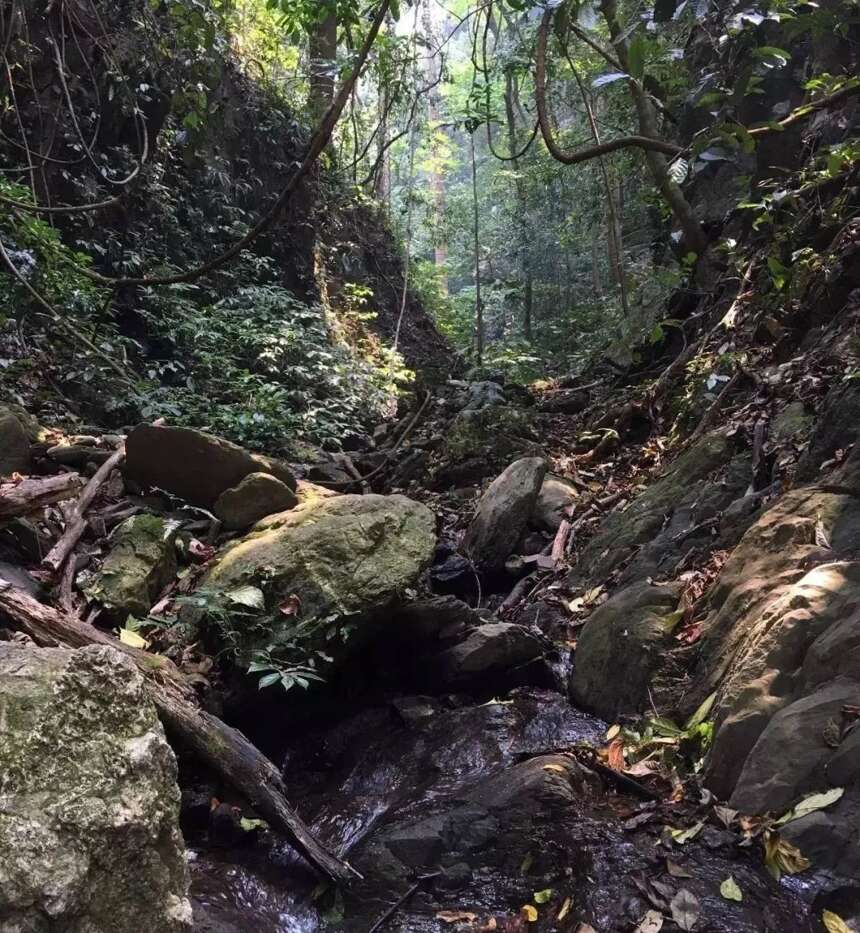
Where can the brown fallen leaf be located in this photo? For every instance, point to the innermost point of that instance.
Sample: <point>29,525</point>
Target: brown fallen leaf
<point>615,754</point>
<point>456,916</point>
<point>292,605</point>
<point>652,922</point>
<point>685,909</point>
<point>676,870</point>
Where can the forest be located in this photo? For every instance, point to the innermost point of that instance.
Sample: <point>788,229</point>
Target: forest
<point>429,466</point>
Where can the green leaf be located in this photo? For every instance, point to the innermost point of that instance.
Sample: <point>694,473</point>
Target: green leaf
<point>249,825</point>
<point>132,639</point>
<point>771,55</point>
<point>636,56</point>
<point>250,596</point>
<point>269,680</point>
<point>541,897</point>
<point>730,891</point>
<point>810,804</point>
<point>702,712</point>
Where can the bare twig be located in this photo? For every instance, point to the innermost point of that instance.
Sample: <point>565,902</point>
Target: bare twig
<point>76,525</point>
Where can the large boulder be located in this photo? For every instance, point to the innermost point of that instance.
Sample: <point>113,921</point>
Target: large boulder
<point>658,526</point>
<point>486,652</point>
<point>621,648</point>
<point>14,445</point>
<point>89,805</point>
<point>139,565</point>
<point>194,465</point>
<point>480,395</point>
<point>782,656</point>
<point>495,432</point>
<point>838,427</point>
<point>258,495</point>
<point>340,556</point>
<point>503,512</point>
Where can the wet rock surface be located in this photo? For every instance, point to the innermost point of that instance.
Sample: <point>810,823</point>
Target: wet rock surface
<point>477,795</point>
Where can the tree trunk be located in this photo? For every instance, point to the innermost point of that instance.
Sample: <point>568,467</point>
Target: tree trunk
<point>479,308</point>
<point>322,52</point>
<point>32,494</point>
<point>694,236</point>
<point>524,239</point>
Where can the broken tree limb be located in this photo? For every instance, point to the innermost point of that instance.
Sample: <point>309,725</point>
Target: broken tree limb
<point>559,544</point>
<point>223,748</point>
<point>76,524</point>
<point>31,494</point>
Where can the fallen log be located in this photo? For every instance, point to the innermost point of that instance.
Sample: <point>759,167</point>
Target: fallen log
<point>221,747</point>
<point>27,496</point>
<point>77,524</point>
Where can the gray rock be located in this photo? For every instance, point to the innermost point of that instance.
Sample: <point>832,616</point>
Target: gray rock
<point>675,495</point>
<point>621,648</point>
<point>481,395</point>
<point>78,455</point>
<point>258,495</point>
<point>14,445</point>
<point>196,466</point>
<point>139,565</point>
<point>486,650</point>
<point>503,513</point>
<point>89,805</point>
<point>791,757</point>
<point>838,426</point>
<point>556,495</point>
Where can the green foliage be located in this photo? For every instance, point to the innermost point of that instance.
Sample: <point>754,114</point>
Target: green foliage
<point>239,625</point>
<point>259,367</point>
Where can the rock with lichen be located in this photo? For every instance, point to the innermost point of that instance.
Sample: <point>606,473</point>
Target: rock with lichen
<point>89,804</point>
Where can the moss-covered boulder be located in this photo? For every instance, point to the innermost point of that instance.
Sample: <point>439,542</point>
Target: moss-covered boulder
<point>678,492</point>
<point>89,806</point>
<point>497,432</point>
<point>139,565</point>
<point>14,444</point>
<point>622,647</point>
<point>258,495</point>
<point>341,556</point>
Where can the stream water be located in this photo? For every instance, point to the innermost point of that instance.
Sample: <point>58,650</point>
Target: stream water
<point>416,784</point>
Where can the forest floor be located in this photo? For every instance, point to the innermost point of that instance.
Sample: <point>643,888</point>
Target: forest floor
<point>482,758</point>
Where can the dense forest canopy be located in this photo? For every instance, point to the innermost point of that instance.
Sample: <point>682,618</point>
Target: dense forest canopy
<point>552,173</point>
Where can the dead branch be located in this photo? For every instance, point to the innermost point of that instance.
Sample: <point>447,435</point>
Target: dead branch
<point>32,494</point>
<point>559,544</point>
<point>223,748</point>
<point>76,524</point>
<point>710,415</point>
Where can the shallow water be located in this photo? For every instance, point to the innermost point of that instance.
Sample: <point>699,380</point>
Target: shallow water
<point>415,776</point>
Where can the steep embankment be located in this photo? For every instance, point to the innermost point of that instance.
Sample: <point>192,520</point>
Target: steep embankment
<point>149,115</point>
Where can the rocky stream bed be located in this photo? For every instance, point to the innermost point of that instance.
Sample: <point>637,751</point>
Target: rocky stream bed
<point>528,689</point>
